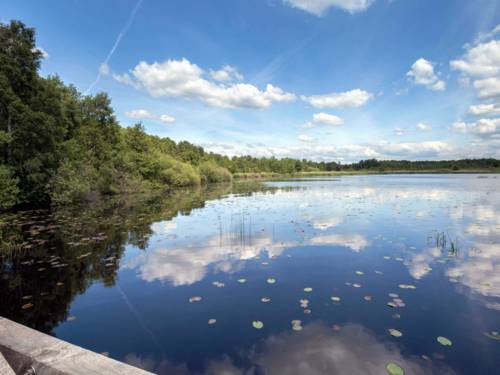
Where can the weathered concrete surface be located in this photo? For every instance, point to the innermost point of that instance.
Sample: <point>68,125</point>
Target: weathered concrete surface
<point>25,349</point>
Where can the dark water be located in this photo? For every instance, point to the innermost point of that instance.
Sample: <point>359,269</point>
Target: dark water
<point>118,277</point>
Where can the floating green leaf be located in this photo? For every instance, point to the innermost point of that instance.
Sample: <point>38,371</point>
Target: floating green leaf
<point>444,341</point>
<point>394,369</point>
<point>257,324</point>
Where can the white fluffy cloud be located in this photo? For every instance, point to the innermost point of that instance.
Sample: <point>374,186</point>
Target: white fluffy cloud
<point>226,74</point>
<point>143,114</point>
<point>349,99</point>
<point>482,60</point>
<point>166,119</point>
<point>424,127</point>
<point>139,114</point>
<point>481,63</point>
<point>323,119</point>
<point>306,138</point>
<point>181,78</point>
<point>319,7</point>
<point>422,73</point>
<point>484,127</point>
<point>485,109</point>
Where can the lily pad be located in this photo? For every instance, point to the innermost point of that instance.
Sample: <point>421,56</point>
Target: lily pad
<point>394,369</point>
<point>444,341</point>
<point>395,332</point>
<point>257,324</point>
<point>308,290</point>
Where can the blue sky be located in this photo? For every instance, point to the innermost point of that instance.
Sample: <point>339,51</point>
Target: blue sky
<point>323,79</point>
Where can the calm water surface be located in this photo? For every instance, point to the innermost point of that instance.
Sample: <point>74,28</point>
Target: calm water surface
<point>141,278</point>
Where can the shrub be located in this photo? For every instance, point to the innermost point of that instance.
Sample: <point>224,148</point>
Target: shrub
<point>71,183</point>
<point>175,173</point>
<point>211,172</point>
<point>9,190</point>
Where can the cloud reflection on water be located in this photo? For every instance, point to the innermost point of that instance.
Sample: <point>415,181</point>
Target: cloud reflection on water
<point>315,350</point>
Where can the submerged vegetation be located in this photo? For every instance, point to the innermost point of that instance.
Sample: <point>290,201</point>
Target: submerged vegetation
<point>58,146</point>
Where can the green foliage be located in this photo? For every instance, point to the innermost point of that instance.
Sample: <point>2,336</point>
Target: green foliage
<point>175,173</point>
<point>210,172</point>
<point>9,190</point>
<point>70,184</point>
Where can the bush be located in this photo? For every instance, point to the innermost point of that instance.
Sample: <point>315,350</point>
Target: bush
<point>70,184</point>
<point>211,172</point>
<point>9,190</point>
<point>175,173</point>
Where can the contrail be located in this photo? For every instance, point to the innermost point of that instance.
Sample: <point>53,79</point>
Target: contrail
<point>115,45</point>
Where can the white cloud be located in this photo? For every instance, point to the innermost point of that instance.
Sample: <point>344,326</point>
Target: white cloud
<point>488,87</point>
<point>349,99</point>
<point>306,138</point>
<point>166,119</point>
<point>323,119</point>
<point>422,73</point>
<point>139,114</point>
<point>181,78</point>
<point>399,132</point>
<point>226,74</point>
<point>424,127</point>
<point>482,60</point>
<point>481,63</point>
<point>143,114</point>
<point>104,69</point>
<point>344,153</point>
<point>484,109</point>
<point>484,127</point>
<point>319,7</point>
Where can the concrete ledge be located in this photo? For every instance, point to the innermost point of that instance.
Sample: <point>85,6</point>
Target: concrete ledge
<point>24,348</point>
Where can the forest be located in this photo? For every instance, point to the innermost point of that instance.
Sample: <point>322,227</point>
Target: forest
<point>58,146</point>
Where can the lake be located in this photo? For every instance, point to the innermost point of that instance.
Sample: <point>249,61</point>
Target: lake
<point>345,275</point>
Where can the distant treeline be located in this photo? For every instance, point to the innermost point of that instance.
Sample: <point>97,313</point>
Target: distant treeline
<point>58,146</point>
